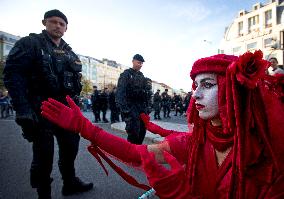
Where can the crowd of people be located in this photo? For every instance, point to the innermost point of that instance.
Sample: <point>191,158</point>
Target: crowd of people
<point>235,149</point>
<point>5,105</point>
<point>102,100</point>
<point>167,103</point>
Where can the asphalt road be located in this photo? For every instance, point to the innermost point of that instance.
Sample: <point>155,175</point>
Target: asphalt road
<point>16,156</point>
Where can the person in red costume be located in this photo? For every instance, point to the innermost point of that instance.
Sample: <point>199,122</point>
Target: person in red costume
<point>234,151</point>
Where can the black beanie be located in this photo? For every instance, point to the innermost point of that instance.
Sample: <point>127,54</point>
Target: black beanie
<point>55,13</point>
<point>139,58</point>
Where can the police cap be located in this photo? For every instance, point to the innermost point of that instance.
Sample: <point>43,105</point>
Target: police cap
<point>138,57</point>
<point>55,13</point>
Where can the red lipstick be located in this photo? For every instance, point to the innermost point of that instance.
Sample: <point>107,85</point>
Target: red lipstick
<point>199,106</point>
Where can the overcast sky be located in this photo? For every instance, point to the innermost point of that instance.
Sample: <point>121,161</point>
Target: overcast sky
<point>170,34</point>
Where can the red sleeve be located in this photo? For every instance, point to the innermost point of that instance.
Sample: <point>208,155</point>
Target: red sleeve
<point>179,145</point>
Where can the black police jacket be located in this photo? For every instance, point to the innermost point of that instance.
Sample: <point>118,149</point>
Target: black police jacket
<point>131,91</point>
<point>37,69</point>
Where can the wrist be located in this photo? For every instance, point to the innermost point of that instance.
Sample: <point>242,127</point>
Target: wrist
<point>88,130</point>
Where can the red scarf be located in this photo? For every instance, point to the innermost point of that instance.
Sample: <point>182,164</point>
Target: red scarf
<point>217,138</point>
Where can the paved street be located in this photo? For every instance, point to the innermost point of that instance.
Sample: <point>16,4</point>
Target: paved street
<point>15,159</point>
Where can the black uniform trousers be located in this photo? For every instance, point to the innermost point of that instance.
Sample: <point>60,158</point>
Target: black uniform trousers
<point>43,151</point>
<point>135,127</point>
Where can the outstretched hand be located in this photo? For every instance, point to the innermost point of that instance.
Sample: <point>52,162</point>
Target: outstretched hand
<point>65,117</point>
<point>168,183</point>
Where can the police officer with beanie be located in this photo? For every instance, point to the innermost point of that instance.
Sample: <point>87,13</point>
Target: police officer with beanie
<point>40,66</point>
<point>132,97</point>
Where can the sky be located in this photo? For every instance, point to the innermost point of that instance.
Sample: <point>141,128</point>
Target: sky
<point>169,34</point>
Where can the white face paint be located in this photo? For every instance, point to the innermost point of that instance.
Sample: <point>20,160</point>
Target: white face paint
<point>206,95</point>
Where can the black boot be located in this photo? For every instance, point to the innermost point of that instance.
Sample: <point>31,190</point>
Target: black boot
<point>75,186</point>
<point>44,192</point>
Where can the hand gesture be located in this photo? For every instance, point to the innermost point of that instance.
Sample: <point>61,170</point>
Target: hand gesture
<point>68,118</point>
<point>168,183</point>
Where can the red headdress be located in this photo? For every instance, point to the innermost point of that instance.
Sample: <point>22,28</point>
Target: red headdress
<point>251,114</point>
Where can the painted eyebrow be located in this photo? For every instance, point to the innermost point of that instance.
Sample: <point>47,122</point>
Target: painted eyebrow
<point>205,79</point>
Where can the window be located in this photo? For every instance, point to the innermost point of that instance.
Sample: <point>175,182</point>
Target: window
<point>268,42</point>
<point>252,46</point>
<point>84,69</point>
<point>253,22</point>
<point>236,50</point>
<point>220,51</point>
<point>240,28</point>
<point>268,19</point>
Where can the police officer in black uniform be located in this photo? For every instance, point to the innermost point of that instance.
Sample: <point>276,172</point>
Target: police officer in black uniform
<point>166,103</point>
<point>96,104</point>
<point>157,100</point>
<point>103,97</point>
<point>41,66</point>
<point>132,97</point>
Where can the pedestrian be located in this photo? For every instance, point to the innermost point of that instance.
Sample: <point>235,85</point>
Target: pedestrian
<point>178,104</point>
<point>40,66</point>
<point>96,104</point>
<point>4,104</point>
<point>157,100</point>
<point>131,98</point>
<point>274,68</point>
<point>166,103</point>
<point>114,111</point>
<point>85,103</point>
<point>236,147</point>
<point>187,100</point>
<point>103,98</point>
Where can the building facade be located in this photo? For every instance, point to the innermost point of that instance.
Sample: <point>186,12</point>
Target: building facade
<point>89,68</point>
<point>261,28</point>
<point>108,72</point>
<point>7,41</point>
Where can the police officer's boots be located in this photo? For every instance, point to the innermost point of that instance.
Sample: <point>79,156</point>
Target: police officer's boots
<point>44,192</point>
<point>75,186</point>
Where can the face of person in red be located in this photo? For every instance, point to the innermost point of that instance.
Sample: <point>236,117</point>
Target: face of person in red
<point>206,96</point>
<point>55,26</point>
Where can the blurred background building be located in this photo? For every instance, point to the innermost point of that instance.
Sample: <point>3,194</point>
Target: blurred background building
<point>259,28</point>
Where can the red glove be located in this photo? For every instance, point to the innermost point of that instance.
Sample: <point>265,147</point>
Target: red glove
<point>68,118</point>
<point>150,126</point>
<point>168,184</point>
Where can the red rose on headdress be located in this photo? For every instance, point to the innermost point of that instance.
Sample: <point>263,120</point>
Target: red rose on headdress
<point>249,68</point>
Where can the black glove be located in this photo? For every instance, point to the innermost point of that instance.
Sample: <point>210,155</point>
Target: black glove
<point>29,125</point>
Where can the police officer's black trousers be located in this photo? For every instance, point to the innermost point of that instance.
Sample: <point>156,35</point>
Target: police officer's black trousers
<point>114,115</point>
<point>96,112</point>
<point>157,113</point>
<point>135,128</point>
<point>166,110</point>
<point>43,151</point>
